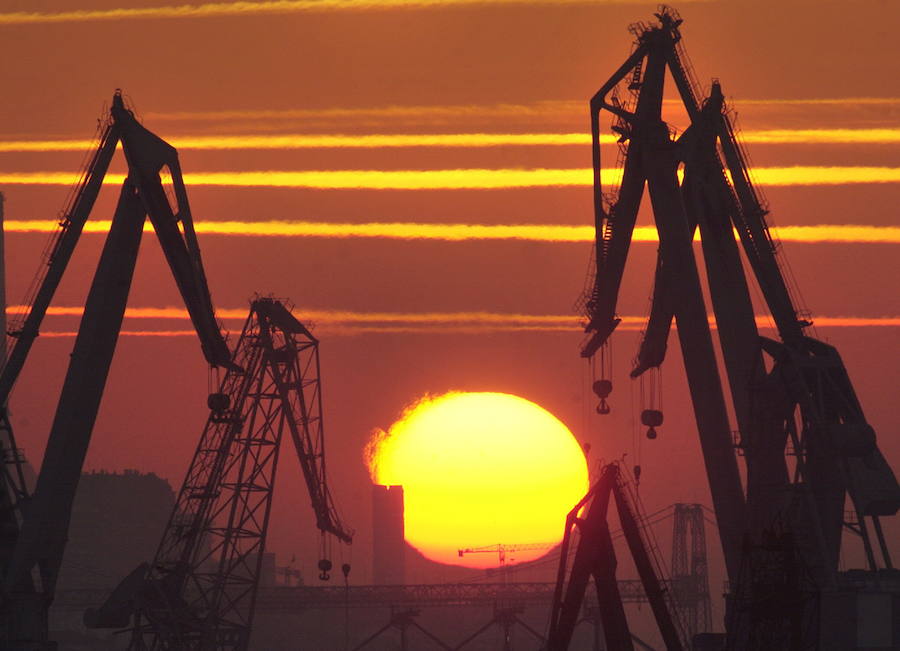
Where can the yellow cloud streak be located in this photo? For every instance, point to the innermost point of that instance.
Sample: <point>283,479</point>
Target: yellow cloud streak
<point>337,141</point>
<point>468,140</point>
<point>241,8</point>
<point>466,178</point>
<point>58,334</point>
<point>327,315</point>
<point>435,318</point>
<point>454,113</point>
<point>822,136</point>
<point>465,232</point>
<point>439,112</point>
<point>849,102</point>
<point>347,323</point>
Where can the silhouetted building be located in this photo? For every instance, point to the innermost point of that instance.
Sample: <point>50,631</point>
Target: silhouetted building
<point>389,544</point>
<point>117,519</point>
<point>267,570</point>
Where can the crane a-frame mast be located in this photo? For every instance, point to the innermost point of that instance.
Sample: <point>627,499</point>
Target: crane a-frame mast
<point>791,396</point>
<point>34,537</point>
<point>652,159</point>
<point>594,557</point>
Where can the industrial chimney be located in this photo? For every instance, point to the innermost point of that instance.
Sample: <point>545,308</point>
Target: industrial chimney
<point>389,544</point>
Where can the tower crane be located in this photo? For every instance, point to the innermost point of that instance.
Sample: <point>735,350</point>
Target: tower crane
<point>199,592</point>
<point>33,528</point>
<point>502,550</point>
<point>803,434</point>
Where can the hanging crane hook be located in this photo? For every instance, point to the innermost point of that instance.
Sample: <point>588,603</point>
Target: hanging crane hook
<point>602,388</point>
<point>652,418</point>
<point>324,569</point>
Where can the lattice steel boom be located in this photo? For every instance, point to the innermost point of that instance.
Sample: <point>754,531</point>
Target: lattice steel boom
<point>200,590</point>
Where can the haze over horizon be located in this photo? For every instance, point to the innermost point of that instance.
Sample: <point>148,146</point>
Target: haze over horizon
<point>421,121</point>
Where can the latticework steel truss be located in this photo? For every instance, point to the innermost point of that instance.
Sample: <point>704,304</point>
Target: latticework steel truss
<point>201,589</point>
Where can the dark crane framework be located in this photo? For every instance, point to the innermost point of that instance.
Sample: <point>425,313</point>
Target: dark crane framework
<point>33,528</point>
<point>595,557</point>
<point>199,592</point>
<point>802,431</point>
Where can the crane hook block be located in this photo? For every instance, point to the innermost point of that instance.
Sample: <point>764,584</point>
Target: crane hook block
<point>652,417</point>
<point>218,402</point>
<point>324,569</point>
<point>603,407</point>
<point>345,568</point>
<point>603,388</point>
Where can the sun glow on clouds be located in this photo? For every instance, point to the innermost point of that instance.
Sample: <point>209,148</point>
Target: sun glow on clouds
<point>558,233</point>
<point>352,323</point>
<point>241,8</point>
<point>451,114</point>
<point>480,469</point>
<point>469,140</point>
<point>466,178</point>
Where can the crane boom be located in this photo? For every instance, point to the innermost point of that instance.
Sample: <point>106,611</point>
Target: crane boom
<point>652,159</point>
<point>38,542</point>
<point>790,396</point>
<point>60,251</point>
<point>199,592</point>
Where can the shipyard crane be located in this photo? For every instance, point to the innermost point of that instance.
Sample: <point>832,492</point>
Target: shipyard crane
<point>199,592</point>
<point>595,557</point>
<point>34,527</point>
<point>802,432</point>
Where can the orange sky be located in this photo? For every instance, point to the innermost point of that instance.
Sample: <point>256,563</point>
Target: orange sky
<point>411,84</point>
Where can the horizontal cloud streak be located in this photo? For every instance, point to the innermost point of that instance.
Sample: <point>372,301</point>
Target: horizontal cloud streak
<point>466,140</point>
<point>424,318</point>
<point>126,333</point>
<point>336,141</point>
<point>817,233</point>
<point>466,178</point>
<point>339,316</point>
<point>454,113</point>
<point>443,113</point>
<point>345,322</point>
<point>265,7</point>
<point>821,136</point>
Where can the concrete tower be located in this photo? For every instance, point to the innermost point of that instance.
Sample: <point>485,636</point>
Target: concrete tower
<point>389,544</point>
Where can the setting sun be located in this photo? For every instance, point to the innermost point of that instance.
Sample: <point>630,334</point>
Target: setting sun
<point>479,470</point>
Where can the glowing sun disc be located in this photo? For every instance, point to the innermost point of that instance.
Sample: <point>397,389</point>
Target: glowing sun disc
<point>480,470</point>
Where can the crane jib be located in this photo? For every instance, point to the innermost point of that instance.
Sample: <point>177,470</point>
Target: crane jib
<point>39,538</point>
